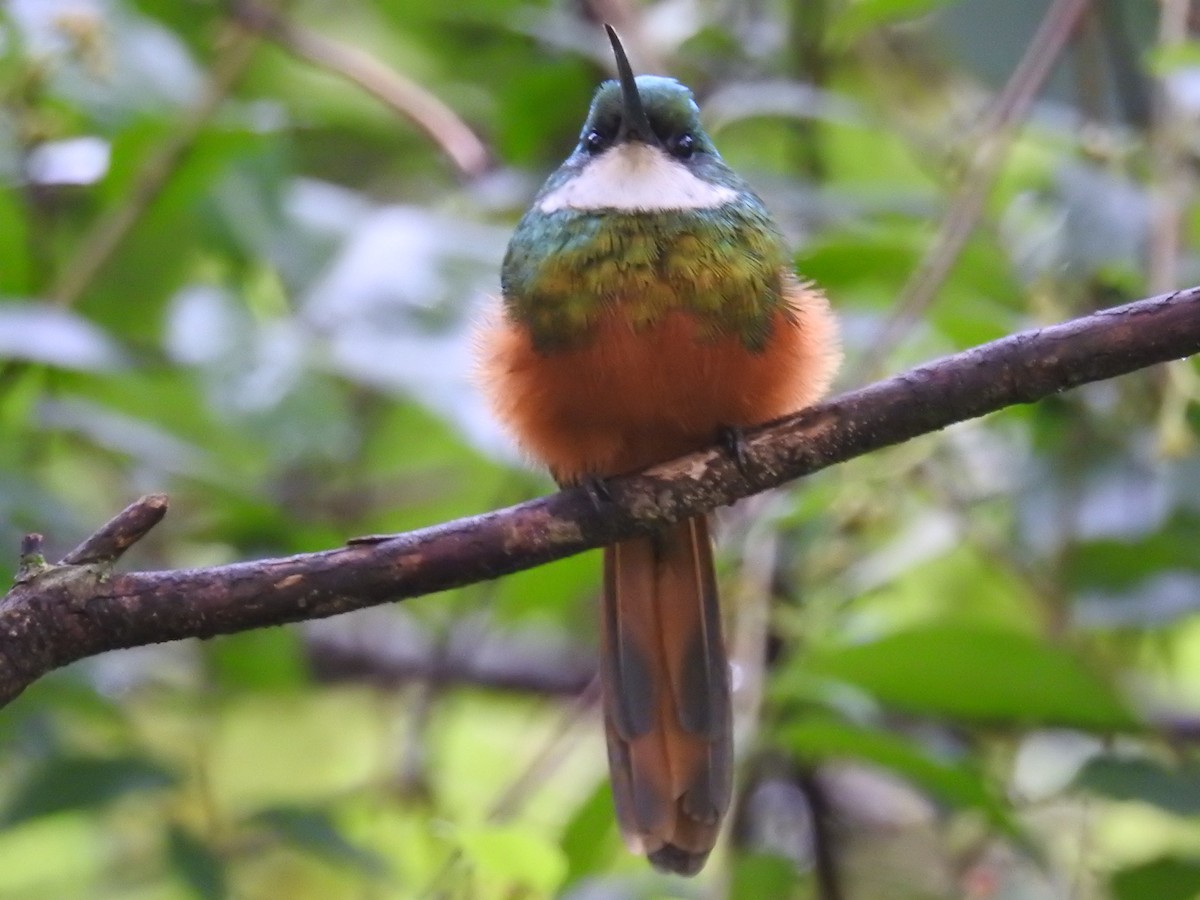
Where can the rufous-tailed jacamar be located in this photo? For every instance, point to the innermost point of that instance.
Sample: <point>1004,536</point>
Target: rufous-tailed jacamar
<point>649,304</point>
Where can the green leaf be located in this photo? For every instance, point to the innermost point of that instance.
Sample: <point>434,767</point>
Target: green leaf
<point>196,865</point>
<point>15,264</point>
<point>589,840</point>
<point>1112,565</point>
<point>1163,879</point>
<point>1166,60</point>
<point>260,660</point>
<point>758,875</point>
<point>62,694</point>
<point>952,781</point>
<point>79,782</point>
<point>1155,602</point>
<point>861,16</point>
<point>1175,790</point>
<point>316,831</point>
<point>979,675</point>
<point>869,266</point>
<point>847,261</point>
<point>540,108</point>
<point>510,854</point>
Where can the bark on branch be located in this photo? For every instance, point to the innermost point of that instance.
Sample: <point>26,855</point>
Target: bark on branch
<point>56,614</point>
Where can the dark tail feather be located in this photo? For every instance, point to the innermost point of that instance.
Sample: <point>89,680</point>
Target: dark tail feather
<point>666,695</point>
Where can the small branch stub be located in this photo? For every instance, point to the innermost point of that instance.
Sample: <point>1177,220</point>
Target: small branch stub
<point>119,533</point>
<point>32,562</point>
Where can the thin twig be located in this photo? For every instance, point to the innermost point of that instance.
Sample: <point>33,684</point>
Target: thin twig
<point>549,757</point>
<point>994,138</point>
<point>121,532</point>
<point>809,64</point>
<point>1131,84</point>
<point>105,237</point>
<point>829,883</point>
<point>545,762</point>
<point>439,122</point>
<point>751,606</point>
<point>1172,186</point>
<point>1171,193</point>
<point>397,651</point>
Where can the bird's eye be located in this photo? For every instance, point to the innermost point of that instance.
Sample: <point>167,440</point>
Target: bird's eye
<point>682,147</point>
<point>594,141</point>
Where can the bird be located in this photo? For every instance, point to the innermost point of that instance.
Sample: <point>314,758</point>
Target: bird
<point>649,307</point>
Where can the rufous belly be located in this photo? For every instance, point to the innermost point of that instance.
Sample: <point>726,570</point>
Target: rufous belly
<point>632,396</point>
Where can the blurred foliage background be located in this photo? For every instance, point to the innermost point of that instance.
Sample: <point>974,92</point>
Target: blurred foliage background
<point>241,248</point>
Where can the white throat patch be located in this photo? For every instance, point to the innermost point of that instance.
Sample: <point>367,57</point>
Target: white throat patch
<point>636,177</point>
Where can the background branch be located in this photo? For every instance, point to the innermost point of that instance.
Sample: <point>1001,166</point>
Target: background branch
<point>991,145</point>
<point>66,612</point>
<point>404,96</point>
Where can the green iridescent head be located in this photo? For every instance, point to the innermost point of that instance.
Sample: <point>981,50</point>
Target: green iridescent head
<point>645,129</point>
<point>651,109</point>
<point>645,215</point>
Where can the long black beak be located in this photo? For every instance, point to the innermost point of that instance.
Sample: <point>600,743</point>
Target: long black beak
<point>634,123</point>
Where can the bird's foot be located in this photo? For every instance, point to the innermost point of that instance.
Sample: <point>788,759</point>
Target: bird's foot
<point>733,441</point>
<point>597,490</point>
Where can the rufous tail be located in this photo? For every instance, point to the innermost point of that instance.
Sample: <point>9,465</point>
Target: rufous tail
<point>666,695</point>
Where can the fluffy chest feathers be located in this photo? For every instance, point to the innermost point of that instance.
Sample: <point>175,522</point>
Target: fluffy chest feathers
<point>567,267</point>
<point>635,177</point>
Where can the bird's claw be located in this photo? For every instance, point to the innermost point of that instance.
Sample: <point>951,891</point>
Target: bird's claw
<point>597,490</point>
<point>733,442</point>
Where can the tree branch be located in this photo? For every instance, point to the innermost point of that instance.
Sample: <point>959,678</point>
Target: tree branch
<point>57,614</point>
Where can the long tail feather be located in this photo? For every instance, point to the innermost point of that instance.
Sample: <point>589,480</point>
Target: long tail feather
<point>666,695</point>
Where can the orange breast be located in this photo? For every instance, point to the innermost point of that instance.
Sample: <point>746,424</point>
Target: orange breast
<point>629,398</point>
